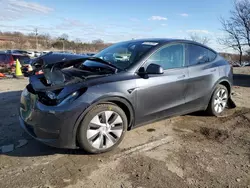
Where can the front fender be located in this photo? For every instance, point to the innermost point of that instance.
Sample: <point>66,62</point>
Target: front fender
<point>105,99</point>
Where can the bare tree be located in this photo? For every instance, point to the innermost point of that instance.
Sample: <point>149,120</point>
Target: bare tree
<point>36,34</point>
<point>28,41</point>
<point>233,39</point>
<point>20,41</point>
<point>63,38</point>
<point>78,44</point>
<point>248,53</point>
<point>198,38</point>
<point>237,27</point>
<point>97,41</point>
<point>46,38</point>
<point>240,16</point>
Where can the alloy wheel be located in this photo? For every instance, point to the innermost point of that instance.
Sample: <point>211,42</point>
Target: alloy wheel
<point>220,100</point>
<point>105,129</point>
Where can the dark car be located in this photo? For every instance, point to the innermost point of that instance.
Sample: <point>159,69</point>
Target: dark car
<point>90,102</point>
<point>7,60</point>
<point>23,52</point>
<point>90,54</point>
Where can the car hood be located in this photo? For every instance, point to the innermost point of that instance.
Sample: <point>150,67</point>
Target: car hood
<point>71,76</point>
<point>60,70</point>
<point>51,58</point>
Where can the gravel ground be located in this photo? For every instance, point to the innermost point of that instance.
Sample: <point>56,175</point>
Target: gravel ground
<point>194,150</point>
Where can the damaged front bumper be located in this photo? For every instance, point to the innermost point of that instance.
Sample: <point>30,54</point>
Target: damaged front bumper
<point>52,125</point>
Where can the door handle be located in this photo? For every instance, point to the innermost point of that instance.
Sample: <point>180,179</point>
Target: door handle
<point>213,70</point>
<point>182,76</point>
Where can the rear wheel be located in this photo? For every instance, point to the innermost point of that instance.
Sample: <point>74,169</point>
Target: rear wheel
<point>218,102</point>
<point>102,129</point>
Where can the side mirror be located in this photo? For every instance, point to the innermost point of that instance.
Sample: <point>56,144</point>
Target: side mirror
<point>154,69</point>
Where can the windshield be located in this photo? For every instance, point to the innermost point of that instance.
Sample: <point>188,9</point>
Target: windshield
<point>123,55</point>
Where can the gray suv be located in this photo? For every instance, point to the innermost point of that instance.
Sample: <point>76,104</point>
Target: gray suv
<point>90,102</point>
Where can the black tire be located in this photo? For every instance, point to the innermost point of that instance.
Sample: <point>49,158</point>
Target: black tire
<point>82,131</point>
<point>211,107</point>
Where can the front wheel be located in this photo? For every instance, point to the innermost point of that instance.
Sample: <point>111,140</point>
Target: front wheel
<point>102,129</point>
<point>218,102</point>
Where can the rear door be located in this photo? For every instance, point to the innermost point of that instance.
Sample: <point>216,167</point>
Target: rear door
<point>162,95</point>
<point>202,75</point>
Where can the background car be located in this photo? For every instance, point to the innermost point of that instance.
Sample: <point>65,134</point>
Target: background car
<point>90,54</point>
<point>17,52</point>
<point>44,52</point>
<point>31,54</point>
<point>8,60</point>
<point>37,54</point>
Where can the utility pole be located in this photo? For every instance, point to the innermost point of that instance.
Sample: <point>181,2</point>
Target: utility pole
<point>63,44</point>
<point>36,33</point>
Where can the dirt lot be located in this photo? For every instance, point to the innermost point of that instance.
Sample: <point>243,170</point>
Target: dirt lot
<point>188,151</point>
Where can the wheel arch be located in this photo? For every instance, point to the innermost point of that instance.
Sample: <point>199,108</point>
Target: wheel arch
<point>227,85</point>
<point>223,81</point>
<point>123,103</point>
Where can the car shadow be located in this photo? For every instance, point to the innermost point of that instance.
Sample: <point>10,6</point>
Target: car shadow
<point>242,80</point>
<point>199,114</point>
<point>11,132</point>
<point>35,148</point>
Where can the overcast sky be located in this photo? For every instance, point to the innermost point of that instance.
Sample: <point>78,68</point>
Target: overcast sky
<point>116,20</point>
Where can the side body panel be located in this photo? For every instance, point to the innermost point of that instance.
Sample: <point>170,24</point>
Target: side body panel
<point>160,95</point>
<point>202,81</point>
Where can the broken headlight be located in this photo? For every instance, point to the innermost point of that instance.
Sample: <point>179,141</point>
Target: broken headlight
<point>51,98</point>
<point>51,95</point>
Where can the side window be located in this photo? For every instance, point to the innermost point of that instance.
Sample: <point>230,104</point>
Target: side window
<point>199,55</point>
<point>169,57</point>
<point>211,55</point>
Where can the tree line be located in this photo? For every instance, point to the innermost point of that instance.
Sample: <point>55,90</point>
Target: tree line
<point>40,42</point>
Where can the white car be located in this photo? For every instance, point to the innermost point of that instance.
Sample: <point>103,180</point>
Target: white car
<point>44,52</point>
<point>31,54</point>
<point>37,54</point>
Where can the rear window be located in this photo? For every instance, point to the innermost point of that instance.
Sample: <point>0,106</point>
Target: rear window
<point>3,58</point>
<point>22,59</point>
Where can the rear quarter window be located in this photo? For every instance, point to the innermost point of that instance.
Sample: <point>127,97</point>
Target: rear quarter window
<point>211,55</point>
<point>200,55</point>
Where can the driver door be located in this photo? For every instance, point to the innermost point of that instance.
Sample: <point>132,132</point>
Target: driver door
<point>162,95</point>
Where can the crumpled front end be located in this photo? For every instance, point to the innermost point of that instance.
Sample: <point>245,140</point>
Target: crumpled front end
<point>52,125</point>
